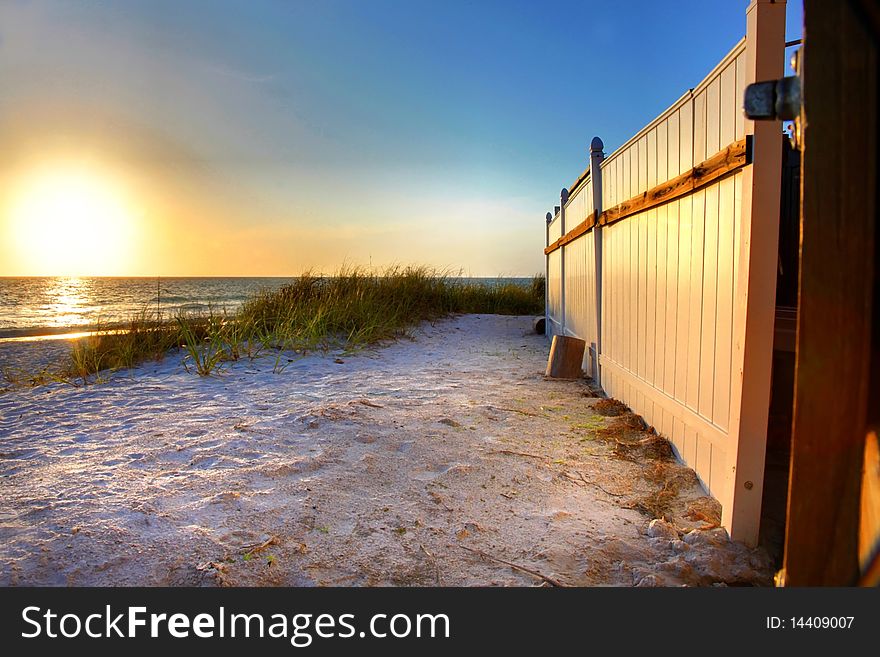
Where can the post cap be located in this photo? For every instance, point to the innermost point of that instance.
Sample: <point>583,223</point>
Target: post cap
<point>596,145</point>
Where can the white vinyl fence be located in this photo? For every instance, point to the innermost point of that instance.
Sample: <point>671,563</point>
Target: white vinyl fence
<point>662,257</point>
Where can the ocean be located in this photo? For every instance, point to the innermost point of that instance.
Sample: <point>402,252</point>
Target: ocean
<point>42,306</point>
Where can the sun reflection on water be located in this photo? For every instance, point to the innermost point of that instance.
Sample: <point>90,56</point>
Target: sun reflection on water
<point>71,301</point>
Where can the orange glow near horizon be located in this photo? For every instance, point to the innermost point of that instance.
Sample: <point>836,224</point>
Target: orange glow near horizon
<point>70,220</point>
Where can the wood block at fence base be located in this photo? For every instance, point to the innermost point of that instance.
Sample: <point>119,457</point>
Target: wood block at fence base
<point>566,357</point>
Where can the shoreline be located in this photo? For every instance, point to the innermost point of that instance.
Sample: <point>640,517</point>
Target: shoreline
<point>32,357</point>
<point>25,335</point>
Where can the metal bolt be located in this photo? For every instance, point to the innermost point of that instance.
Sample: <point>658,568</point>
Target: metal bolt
<point>749,485</point>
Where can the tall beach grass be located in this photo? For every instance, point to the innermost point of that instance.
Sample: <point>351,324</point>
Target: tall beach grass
<point>347,310</point>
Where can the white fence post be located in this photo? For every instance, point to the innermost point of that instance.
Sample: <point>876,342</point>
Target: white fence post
<point>755,292</point>
<point>597,154</point>
<point>547,327</point>
<point>563,199</point>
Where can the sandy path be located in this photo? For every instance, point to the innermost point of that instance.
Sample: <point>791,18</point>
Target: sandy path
<point>377,470</point>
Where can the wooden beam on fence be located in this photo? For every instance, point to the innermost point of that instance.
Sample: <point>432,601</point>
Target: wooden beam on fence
<point>581,229</point>
<point>723,163</point>
<point>834,380</point>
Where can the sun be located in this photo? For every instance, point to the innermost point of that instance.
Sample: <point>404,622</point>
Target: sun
<point>72,221</point>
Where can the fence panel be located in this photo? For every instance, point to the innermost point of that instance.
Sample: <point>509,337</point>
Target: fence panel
<point>554,293</point>
<point>674,209</point>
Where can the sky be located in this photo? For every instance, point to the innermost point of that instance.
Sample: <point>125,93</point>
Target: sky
<point>264,138</point>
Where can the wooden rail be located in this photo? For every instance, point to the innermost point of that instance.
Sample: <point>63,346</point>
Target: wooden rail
<point>573,234</point>
<point>724,162</point>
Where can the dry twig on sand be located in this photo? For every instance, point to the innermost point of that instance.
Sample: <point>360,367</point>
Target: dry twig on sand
<point>433,561</point>
<point>367,402</point>
<point>515,453</point>
<point>255,548</point>
<point>518,410</point>
<point>217,569</point>
<point>582,479</point>
<point>549,580</point>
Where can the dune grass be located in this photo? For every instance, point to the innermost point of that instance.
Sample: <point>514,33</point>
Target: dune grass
<point>348,310</point>
<point>111,348</point>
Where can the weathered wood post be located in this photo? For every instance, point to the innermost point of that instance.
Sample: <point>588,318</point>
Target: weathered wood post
<point>597,154</point>
<point>837,380</point>
<point>754,305</point>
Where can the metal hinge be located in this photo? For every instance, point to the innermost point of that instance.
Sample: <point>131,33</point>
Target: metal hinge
<point>778,100</point>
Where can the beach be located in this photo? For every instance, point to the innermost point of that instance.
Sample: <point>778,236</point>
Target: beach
<point>442,459</point>
<point>32,356</point>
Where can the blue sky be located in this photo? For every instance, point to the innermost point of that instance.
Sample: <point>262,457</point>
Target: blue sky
<point>285,135</point>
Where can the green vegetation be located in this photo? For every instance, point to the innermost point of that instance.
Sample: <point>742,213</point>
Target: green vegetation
<point>348,310</point>
<point>121,347</point>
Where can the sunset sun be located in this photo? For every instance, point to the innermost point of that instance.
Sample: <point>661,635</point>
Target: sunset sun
<point>72,222</point>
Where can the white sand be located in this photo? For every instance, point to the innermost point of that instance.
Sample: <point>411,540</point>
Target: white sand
<point>374,471</point>
<point>19,358</point>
